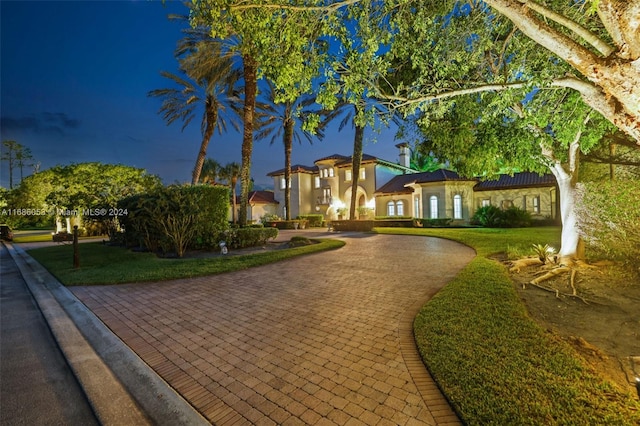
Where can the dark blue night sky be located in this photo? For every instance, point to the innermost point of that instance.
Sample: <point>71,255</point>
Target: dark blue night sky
<point>74,82</point>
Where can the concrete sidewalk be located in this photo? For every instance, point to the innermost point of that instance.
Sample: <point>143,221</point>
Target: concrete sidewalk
<point>120,387</point>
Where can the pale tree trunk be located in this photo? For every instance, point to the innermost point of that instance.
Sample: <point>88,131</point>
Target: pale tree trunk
<point>612,72</point>
<point>566,175</point>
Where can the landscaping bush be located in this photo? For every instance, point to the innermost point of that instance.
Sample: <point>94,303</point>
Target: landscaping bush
<point>515,217</point>
<point>493,217</point>
<point>352,225</point>
<point>314,220</point>
<point>487,216</point>
<point>249,237</point>
<point>175,218</point>
<point>433,223</point>
<point>609,219</point>
<point>287,224</point>
<point>394,223</point>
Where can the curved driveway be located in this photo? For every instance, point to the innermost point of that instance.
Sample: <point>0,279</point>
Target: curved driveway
<point>321,339</point>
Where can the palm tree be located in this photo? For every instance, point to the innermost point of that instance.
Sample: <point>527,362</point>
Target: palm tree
<point>231,173</point>
<point>279,120</point>
<point>208,78</point>
<point>211,171</point>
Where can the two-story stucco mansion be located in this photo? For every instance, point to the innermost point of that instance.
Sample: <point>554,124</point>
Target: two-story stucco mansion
<point>394,189</point>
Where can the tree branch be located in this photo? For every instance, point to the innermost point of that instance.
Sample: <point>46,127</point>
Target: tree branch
<point>578,29</point>
<point>405,101</point>
<point>594,97</point>
<point>325,8</point>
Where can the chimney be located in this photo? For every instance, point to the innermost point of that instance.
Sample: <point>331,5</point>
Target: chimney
<point>405,154</point>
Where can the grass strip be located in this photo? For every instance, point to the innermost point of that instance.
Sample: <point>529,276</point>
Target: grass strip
<point>102,264</point>
<point>492,361</point>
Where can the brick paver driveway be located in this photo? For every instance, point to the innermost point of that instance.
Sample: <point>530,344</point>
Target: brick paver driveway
<point>321,339</point>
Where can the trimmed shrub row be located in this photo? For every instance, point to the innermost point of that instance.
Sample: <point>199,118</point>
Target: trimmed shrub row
<point>493,217</point>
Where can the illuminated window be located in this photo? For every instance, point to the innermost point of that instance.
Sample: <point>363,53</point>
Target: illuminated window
<point>536,204</point>
<point>363,174</point>
<point>331,172</point>
<point>486,202</point>
<point>347,175</point>
<point>395,208</point>
<point>433,204</point>
<point>457,206</point>
<point>326,196</point>
<point>391,208</point>
<point>316,181</point>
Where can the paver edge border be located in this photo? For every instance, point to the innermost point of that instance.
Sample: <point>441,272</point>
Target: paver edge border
<point>156,397</point>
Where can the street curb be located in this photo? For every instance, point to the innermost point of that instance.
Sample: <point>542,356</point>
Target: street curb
<point>121,388</point>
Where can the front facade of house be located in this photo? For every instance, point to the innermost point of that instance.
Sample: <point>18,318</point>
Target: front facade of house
<point>326,187</point>
<point>395,190</point>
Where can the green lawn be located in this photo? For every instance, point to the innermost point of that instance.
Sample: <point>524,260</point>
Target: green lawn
<point>492,361</point>
<point>102,264</point>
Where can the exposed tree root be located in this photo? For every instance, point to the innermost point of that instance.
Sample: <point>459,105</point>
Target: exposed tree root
<point>516,265</point>
<point>552,273</point>
<point>560,267</point>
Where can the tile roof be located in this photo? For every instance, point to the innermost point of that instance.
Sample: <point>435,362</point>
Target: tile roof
<point>518,180</point>
<point>398,183</point>
<point>349,160</point>
<point>266,197</point>
<point>298,168</point>
<point>333,157</point>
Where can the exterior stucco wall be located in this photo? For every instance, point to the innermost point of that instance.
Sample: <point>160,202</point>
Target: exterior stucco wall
<point>382,202</point>
<point>522,198</point>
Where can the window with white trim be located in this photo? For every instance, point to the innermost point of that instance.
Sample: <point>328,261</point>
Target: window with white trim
<point>391,208</point>
<point>457,206</point>
<point>400,208</point>
<point>486,202</point>
<point>347,175</point>
<point>330,171</point>
<point>433,207</point>
<point>536,204</point>
<point>363,174</point>
<point>316,181</point>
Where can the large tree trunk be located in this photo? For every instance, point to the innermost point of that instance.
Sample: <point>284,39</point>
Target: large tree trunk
<point>212,114</point>
<point>288,147</point>
<point>567,177</point>
<point>355,169</point>
<point>613,72</point>
<point>250,89</point>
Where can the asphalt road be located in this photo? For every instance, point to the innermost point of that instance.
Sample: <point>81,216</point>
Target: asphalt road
<point>37,386</point>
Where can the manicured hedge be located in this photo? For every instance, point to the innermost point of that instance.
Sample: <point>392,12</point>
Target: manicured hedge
<point>249,237</point>
<point>315,220</point>
<point>287,224</point>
